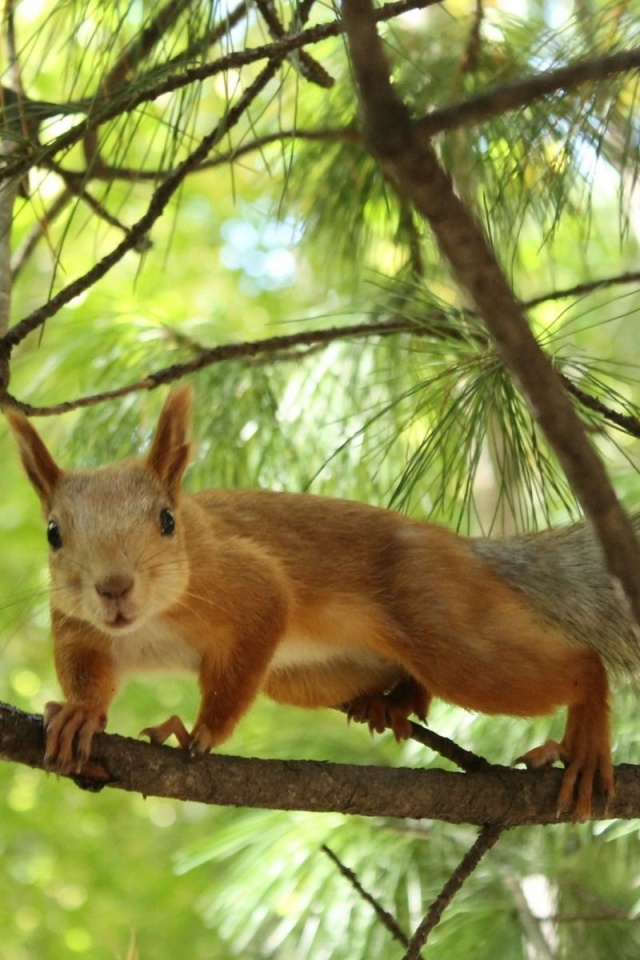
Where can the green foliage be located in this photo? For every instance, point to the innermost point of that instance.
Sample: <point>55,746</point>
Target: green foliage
<point>281,234</point>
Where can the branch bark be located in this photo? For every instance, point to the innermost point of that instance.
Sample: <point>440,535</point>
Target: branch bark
<point>499,796</point>
<point>407,157</point>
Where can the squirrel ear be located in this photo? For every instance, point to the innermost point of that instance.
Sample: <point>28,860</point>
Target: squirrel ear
<point>170,449</point>
<point>42,470</point>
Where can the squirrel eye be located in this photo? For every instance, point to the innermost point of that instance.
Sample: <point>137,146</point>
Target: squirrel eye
<point>167,522</point>
<point>53,535</point>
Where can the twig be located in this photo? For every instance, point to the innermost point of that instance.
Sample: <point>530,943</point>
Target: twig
<point>625,421</point>
<point>581,289</point>
<point>486,839</point>
<point>296,345</point>
<point>449,749</point>
<point>8,193</point>
<point>224,352</point>
<point>386,919</point>
<point>309,68</point>
<point>474,42</point>
<point>347,134</point>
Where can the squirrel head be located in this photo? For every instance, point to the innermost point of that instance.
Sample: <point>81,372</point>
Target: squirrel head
<point>117,550</point>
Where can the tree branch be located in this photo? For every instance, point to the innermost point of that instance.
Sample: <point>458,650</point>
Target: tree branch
<point>499,796</point>
<point>406,155</point>
<point>138,231</point>
<point>486,839</point>
<point>520,93</point>
<point>124,100</point>
<point>386,919</point>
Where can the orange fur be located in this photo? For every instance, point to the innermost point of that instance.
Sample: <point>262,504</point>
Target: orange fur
<point>316,602</point>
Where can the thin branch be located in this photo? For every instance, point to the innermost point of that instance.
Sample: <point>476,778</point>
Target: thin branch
<point>386,919</point>
<point>581,289</point>
<point>219,354</point>
<point>474,42</point>
<point>407,155</point>
<point>8,193</point>
<point>136,234</point>
<point>625,421</point>
<point>499,796</point>
<point>295,346</point>
<point>347,134</point>
<point>308,68</point>
<point>446,748</point>
<point>521,93</point>
<point>125,100</point>
<point>486,839</point>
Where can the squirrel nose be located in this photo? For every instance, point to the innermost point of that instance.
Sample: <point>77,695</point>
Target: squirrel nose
<point>115,587</point>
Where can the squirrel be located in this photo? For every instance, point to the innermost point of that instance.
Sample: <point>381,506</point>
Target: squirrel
<point>317,602</point>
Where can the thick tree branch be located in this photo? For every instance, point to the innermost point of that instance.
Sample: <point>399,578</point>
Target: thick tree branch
<point>499,796</point>
<point>407,156</point>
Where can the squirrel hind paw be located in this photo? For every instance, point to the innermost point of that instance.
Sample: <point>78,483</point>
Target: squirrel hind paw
<point>391,710</point>
<point>582,772</point>
<point>543,756</point>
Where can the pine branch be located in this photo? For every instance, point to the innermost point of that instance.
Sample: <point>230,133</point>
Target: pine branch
<point>499,797</point>
<point>345,134</point>
<point>406,155</point>
<point>486,839</point>
<point>445,747</point>
<point>126,99</point>
<point>219,354</point>
<point>138,231</point>
<point>521,93</point>
<point>128,60</point>
<point>293,346</point>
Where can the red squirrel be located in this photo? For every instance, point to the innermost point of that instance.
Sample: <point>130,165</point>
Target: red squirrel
<point>316,602</point>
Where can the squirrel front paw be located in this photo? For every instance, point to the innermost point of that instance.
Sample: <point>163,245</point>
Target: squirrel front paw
<point>201,740</point>
<point>69,730</point>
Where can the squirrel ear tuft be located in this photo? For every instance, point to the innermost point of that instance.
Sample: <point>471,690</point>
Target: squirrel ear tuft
<point>170,449</point>
<point>42,470</point>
